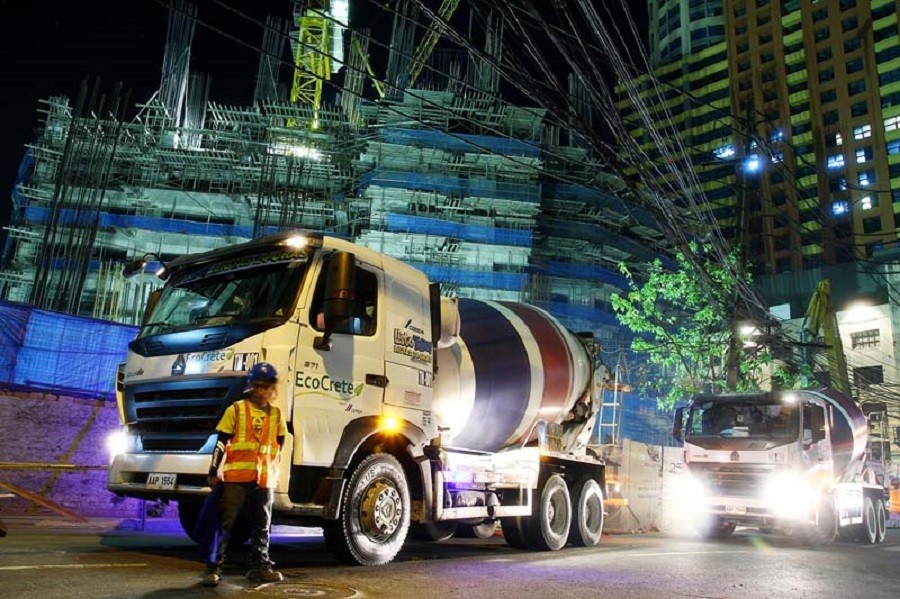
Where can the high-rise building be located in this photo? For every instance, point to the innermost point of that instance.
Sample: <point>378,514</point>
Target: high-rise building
<point>791,120</point>
<point>788,115</point>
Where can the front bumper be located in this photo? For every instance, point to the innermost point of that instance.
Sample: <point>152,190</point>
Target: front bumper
<point>128,475</point>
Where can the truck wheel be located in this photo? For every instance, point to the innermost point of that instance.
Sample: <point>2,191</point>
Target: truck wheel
<point>188,516</point>
<point>880,520</point>
<point>374,516</point>
<point>482,530</point>
<point>825,529</point>
<point>432,531</point>
<point>513,532</point>
<point>870,521</point>
<point>587,521</point>
<point>712,528</point>
<point>547,529</point>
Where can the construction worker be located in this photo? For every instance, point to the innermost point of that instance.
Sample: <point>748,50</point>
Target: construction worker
<point>250,436</point>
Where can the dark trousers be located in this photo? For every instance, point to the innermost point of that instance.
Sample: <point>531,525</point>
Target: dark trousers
<point>260,507</point>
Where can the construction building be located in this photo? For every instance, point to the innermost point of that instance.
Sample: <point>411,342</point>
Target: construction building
<point>788,113</point>
<point>480,194</point>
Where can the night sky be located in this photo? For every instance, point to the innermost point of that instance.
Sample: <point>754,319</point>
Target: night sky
<point>50,46</point>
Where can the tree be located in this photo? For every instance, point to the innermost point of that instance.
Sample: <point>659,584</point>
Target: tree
<point>682,321</point>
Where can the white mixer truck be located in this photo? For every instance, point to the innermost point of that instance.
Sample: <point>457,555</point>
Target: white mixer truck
<point>788,461</point>
<point>405,410</point>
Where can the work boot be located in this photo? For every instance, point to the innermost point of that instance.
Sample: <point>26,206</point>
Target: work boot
<point>264,574</point>
<point>212,576</point>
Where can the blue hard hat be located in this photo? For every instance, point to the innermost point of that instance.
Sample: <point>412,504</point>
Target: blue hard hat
<point>262,372</point>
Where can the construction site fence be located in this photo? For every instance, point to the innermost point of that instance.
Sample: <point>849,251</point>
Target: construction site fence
<point>405,223</point>
<point>461,142</point>
<point>59,353</point>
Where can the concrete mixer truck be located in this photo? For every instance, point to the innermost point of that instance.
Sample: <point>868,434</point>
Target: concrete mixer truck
<point>788,461</point>
<point>406,412</point>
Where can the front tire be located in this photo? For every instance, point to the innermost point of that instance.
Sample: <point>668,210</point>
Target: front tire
<point>712,528</point>
<point>587,520</point>
<point>374,517</point>
<point>825,529</point>
<point>547,529</point>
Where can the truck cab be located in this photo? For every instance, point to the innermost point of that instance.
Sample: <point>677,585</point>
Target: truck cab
<point>787,460</point>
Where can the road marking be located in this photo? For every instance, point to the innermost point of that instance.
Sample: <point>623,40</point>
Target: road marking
<point>680,553</point>
<point>73,566</point>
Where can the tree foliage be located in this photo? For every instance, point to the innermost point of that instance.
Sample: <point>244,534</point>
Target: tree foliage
<point>682,322</point>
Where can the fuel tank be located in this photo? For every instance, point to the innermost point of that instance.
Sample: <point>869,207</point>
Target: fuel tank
<point>511,366</point>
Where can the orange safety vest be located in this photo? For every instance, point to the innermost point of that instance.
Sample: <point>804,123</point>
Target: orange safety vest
<point>247,458</point>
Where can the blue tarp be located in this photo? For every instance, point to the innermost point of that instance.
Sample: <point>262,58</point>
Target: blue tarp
<point>510,281</point>
<point>590,272</point>
<point>461,142</point>
<point>454,186</point>
<point>47,351</point>
<point>405,223</point>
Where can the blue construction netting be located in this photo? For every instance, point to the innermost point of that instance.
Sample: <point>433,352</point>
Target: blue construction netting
<point>572,270</point>
<point>453,186</point>
<point>47,351</point>
<point>405,223</point>
<point>461,142</point>
<point>510,281</point>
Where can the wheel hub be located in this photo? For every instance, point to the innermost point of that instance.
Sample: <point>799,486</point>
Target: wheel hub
<point>380,510</point>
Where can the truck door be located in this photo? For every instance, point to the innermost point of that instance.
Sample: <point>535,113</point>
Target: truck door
<point>337,385</point>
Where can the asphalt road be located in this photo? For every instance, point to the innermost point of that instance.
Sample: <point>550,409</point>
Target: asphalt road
<point>42,561</point>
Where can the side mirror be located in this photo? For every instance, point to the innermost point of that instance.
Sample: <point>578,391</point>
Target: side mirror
<point>340,293</point>
<point>678,424</point>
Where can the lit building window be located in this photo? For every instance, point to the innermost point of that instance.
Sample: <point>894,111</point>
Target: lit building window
<point>866,178</point>
<point>840,208</point>
<point>838,140</point>
<point>724,151</point>
<point>862,132</point>
<point>892,123</point>
<point>866,202</point>
<point>835,161</point>
<point>863,155</point>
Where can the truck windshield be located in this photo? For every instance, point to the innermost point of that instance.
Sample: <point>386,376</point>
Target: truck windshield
<point>744,419</point>
<point>255,294</point>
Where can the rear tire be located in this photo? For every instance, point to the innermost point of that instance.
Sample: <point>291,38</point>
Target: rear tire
<point>513,532</point>
<point>870,521</point>
<point>587,520</point>
<point>482,530</point>
<point>880,520</point>
<point>433,531</point>
<point>547,529</point>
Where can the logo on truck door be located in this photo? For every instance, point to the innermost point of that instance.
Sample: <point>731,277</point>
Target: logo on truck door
<point>322,384</point>
<point>415,346</point>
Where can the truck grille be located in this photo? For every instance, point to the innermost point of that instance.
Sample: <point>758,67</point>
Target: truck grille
<point>178,415</point>
<point>733,479</point>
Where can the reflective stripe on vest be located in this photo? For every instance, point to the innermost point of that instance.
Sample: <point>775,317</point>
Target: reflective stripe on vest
<point>248,459</point>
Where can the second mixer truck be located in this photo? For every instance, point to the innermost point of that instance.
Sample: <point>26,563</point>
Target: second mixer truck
<point>406,411</point>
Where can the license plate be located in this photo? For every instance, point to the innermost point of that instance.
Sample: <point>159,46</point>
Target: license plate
<point>737,510</point>
<point>161,480</point>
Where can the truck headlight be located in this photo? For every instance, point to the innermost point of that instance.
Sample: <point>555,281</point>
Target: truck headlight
<point>118,443</point>
<point>790,495</point>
